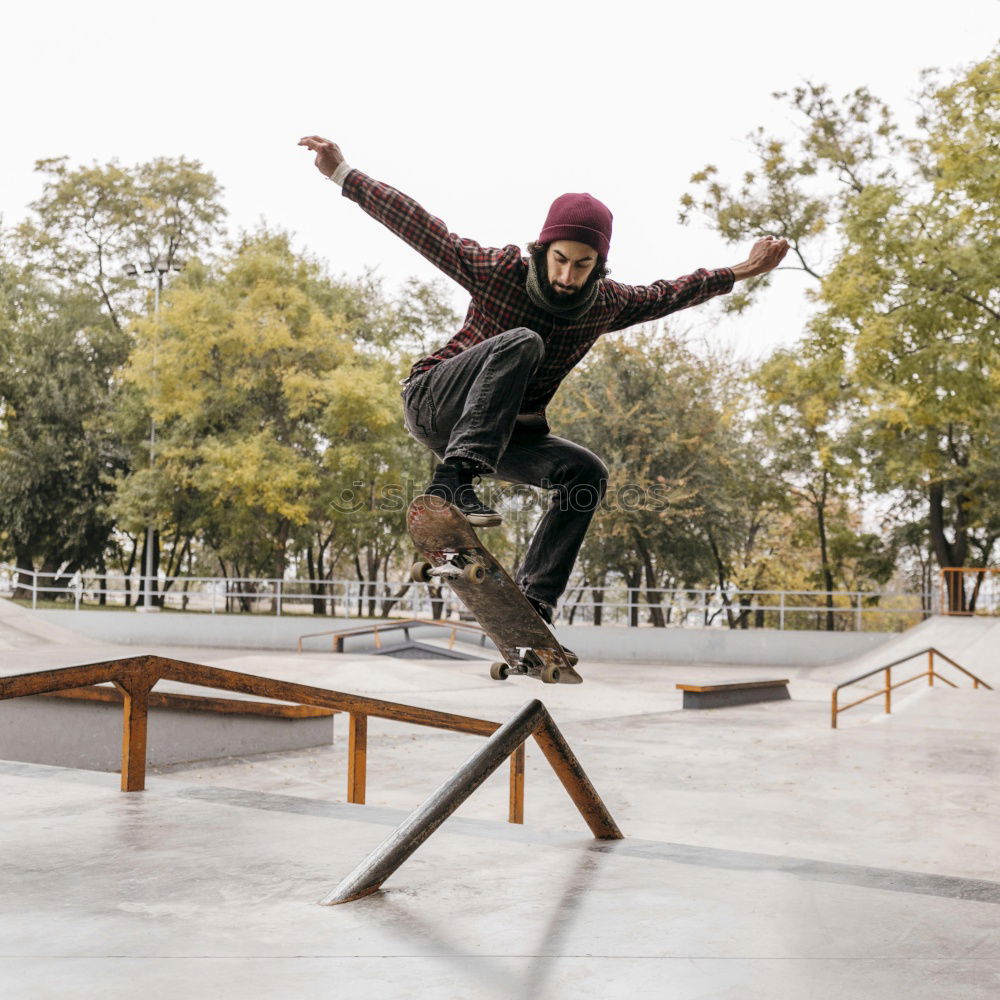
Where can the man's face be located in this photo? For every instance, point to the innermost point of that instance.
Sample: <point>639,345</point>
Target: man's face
<point>569,265</point>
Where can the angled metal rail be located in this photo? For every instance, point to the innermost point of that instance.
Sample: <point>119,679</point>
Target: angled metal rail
<point>532,720</point>
<point>930,673</point>
<point>135,677</point>
<point>338,636</point>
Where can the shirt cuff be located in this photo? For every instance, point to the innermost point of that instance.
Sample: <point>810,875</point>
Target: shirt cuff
<point>340,173</point>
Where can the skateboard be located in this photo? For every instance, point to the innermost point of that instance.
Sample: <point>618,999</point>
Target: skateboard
<point>454,555</point>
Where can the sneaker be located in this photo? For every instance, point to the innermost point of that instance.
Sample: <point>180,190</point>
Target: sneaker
<point>453,483</point>
<point>546,613</point>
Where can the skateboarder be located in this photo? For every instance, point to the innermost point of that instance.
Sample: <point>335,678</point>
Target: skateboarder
<point>479,401</point>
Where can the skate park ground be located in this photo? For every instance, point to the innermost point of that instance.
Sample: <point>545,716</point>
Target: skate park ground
<point>765,854</point>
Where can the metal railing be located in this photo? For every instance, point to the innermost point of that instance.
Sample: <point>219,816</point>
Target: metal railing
<point>610,605</point>
<point>930,673</point>
<point>532,720</point>
<point>958,597</point>
<point>135,677</point>
<point>188,593</point>
<point>780,609</point>
<point>337,636</point>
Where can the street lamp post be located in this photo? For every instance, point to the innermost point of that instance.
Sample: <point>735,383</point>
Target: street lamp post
<point>160,269</point>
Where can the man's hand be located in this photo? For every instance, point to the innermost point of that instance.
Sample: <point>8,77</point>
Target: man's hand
<point>765,255</point>
<point>328,154</point>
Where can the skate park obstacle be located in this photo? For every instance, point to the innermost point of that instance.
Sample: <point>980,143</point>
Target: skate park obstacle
<point>739,693</point>
<point>135,677</point>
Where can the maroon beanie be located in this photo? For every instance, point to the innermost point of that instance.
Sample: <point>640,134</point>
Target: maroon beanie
<point>579,217</point>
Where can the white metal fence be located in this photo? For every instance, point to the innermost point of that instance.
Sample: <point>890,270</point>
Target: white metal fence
<point>611,605</point>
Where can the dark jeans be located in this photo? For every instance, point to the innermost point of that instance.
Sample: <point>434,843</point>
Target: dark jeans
<point>467,407</point>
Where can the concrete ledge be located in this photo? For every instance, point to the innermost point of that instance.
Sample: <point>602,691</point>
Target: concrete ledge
<point>725,695</point>
<point>87,733</point>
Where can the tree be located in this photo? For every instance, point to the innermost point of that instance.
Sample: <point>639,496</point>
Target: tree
<point>87,223</point>
<point>804,418</point>
<point>662,420</point>
<point>91,220</point>
<point>58,446</point>
<point>260,398</point>
<point>362,517</point>
<point>910,303</point>
<point>743,515</point>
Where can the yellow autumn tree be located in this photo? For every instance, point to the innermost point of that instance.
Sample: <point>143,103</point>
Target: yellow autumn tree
<point>262,399</point>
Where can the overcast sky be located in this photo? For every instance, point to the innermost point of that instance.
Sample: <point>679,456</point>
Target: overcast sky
<point>483,112</point>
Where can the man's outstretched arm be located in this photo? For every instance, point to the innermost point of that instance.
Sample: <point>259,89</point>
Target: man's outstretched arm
<point>464,260</point>
<point>643,303</point>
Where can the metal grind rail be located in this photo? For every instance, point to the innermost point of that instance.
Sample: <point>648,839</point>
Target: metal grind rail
<point>337,636</point>
<point>135,677</point>
<point>930,673</point>
<point>532,720</point>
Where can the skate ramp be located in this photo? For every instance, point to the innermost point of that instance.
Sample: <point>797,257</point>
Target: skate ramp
<point>974,643</point>
<point>22,628</point>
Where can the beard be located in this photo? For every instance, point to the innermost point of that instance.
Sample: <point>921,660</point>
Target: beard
<point>554,297</point>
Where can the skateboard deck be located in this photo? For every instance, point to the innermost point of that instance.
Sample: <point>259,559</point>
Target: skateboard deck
<point>456,556</point>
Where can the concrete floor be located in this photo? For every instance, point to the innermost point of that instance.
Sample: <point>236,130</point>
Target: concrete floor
<point>766,855</point>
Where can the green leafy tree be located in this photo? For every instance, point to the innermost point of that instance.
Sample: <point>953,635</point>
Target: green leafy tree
<point>805,418</point>
<point>742,514</point>
<point>90,221</point>
<point>358,527</point>
<point>260,396</point>
<point>661,419</point>
<point>58,446</point>
<point>910,301</point>
<point>87,224</point>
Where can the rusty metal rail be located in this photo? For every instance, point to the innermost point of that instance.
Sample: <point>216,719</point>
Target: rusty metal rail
<point>930,673</point>
<point>338,636</point>
<point>532,720</point>
<point>954,599</point>
<point>135,677</point>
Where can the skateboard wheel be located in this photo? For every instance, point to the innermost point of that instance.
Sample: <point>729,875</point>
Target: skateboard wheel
<point>420,572</point>
<point>499,671</point>
<point>550,674</point>
<point>474,572</point>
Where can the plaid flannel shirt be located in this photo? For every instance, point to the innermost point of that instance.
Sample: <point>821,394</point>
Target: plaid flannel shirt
<point>496,280</point>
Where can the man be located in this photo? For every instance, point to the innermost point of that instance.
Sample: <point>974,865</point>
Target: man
<point>479,402</point>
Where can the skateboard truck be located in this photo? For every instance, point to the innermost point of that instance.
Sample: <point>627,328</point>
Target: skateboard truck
<point>527,662</point>
<point>455,564</point>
